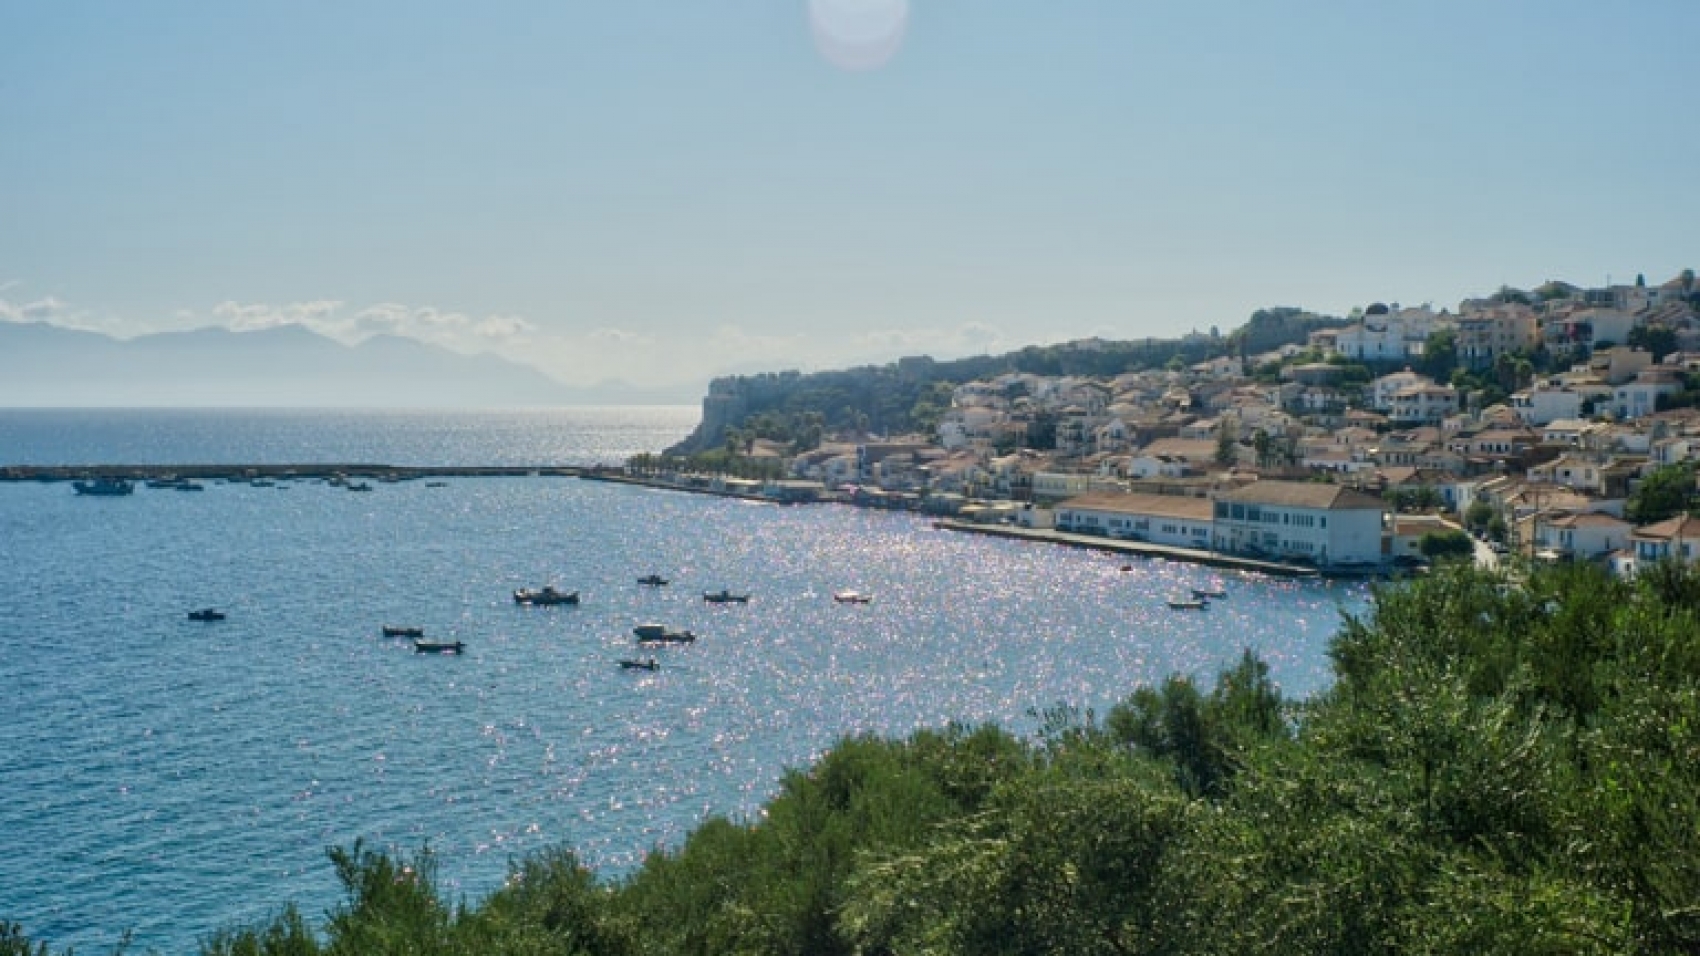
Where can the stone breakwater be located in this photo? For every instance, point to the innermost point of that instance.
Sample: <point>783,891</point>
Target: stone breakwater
<point>304,472</point>
<point>380,472</point>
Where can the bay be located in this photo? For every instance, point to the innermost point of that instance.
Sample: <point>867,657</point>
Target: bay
<point>171,777</point>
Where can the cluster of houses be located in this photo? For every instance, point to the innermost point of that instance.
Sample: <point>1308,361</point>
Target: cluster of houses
<point>1303,468</point>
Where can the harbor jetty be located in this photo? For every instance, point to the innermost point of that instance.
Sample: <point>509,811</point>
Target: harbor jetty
<point>277,472</point>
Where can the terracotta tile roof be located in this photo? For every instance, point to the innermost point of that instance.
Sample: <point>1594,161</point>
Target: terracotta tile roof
<point>1670,529</point>
<point>1167,506</point>
<point>1305,494</point>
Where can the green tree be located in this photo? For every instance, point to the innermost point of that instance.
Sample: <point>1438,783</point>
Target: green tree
<point>1658,340</point>
<point>1264,447</point>
<point>1478,514</point>
<point>1440,355</point>
<point>1415,499</point>
<point>1665,492</point>
<point>1227,442</point>
<point>1439,545</point>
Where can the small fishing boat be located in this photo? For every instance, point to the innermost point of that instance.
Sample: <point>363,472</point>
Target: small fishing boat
<point>724,596</point>
<point>1185,604</point>
<point>1202,593</point>
<point>103,487</point>
<point>653,580</point>
<point>206,614</point>
<point>629,663</point>
<point>545,595</point>
<point>437,647</point>
<point>396,630</point>
<point>662,634</point>
<point>851,597</point>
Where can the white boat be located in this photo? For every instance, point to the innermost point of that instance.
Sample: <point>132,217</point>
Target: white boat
<point>851,597</point>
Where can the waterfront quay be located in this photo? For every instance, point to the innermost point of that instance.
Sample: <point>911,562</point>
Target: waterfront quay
<point>1138,549</point>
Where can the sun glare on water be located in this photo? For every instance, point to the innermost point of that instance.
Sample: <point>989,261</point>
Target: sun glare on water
<point>858,35</point>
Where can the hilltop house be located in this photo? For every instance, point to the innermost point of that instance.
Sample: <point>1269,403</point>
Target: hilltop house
<point>1488,332</point>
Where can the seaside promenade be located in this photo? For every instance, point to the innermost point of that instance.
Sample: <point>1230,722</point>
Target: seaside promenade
<point>1138,549</point>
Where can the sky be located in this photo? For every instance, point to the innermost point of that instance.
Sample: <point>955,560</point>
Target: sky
<point>659,192</point>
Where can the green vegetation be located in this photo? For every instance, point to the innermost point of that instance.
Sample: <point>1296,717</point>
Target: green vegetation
<point>1438,545</point>
<point>1499,767</point>
<point>1665,492</point>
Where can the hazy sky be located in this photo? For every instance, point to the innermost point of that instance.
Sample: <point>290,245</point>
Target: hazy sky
<point>666,191</point>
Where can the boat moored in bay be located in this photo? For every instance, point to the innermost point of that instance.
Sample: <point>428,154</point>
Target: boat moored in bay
<point>662,634</point>
<point>103,487</point>
<point>544,596</point>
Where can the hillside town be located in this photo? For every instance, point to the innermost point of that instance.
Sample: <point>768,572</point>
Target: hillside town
<point>1343,452</point>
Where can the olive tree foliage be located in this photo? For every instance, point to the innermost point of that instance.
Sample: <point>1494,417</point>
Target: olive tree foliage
<point>1446,544</point>
<point>1667,491</point>
<point>778,885</point>
<point>1065,860</point>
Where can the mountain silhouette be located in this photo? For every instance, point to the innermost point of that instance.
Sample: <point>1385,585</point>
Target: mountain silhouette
<point>43,365</point>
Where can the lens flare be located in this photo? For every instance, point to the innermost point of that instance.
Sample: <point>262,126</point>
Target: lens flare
<point>858,35</point>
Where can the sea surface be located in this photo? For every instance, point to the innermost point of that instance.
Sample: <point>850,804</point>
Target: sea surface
<point>168,777</point>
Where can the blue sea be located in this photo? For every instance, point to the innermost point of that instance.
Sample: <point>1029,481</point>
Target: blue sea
<point>168,777</point>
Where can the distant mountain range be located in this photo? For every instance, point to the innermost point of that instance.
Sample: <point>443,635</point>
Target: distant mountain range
<point>44,365</point>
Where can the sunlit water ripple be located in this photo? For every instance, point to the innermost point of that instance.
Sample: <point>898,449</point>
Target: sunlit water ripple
<point>173,777</point>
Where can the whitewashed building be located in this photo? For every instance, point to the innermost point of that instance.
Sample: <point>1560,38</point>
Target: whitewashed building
<point>1427,405</point>
<point>1325,524</point>
<point>1385,335</point>
<point>1641,397</point>
<point>1585,536</point>
<point>1546,403</point>
<point>1675,538</point>
<point>1173,520</point>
